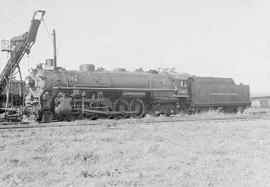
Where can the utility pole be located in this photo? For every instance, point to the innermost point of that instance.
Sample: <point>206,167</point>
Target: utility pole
<point>54,50</point>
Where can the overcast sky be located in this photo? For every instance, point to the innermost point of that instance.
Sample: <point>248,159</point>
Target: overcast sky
<point>224,38</point>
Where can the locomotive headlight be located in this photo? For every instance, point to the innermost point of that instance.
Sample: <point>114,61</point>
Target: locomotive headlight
<point>29,81</point>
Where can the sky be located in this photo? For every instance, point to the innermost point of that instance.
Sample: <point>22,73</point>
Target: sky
<point>222,38</point>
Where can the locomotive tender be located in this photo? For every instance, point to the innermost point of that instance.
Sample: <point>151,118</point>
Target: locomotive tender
<point>217,93</point>
<point>89,93</point>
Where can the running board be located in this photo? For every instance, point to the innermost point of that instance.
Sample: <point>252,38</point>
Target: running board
<point>108,112</point>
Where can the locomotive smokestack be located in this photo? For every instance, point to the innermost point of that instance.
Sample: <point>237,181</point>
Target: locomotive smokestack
<point>54,50</point>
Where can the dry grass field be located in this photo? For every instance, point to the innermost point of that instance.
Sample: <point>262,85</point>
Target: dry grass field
<point>233,153</point>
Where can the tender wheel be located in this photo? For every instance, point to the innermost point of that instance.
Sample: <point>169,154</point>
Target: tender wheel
<point>91,116</point>
<point>47,117</point>
<point>137,105</point>
<point>240,109</point>
<point>169,109</point>
<point>88,116</point>
<point>121,105</point>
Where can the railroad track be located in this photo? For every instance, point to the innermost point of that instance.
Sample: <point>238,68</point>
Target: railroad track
<point>82,123</point>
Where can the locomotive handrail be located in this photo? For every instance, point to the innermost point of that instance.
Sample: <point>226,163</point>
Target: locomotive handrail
<point>179,96</point>
<point>122,89</point>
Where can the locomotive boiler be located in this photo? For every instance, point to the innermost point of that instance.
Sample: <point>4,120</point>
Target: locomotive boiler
<point>88,93</point>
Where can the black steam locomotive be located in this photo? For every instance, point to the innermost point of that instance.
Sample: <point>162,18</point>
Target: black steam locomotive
<point>53,93</point>
<point>90,93</point>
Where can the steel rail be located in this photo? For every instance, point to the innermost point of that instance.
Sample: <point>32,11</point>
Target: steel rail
<point>127,121</point>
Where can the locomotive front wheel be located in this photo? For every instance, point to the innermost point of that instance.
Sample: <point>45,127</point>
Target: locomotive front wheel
<point>47,117</point>
<point>121,105</point>
<point>137,106</point>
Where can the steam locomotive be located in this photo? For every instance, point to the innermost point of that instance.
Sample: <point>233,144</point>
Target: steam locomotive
<point>89,93</point>
<point>53,93</point>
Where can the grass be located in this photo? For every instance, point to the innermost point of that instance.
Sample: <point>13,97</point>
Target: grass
<point>128,154</point>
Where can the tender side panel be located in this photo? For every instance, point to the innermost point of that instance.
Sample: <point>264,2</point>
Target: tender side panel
<point>215,94</point>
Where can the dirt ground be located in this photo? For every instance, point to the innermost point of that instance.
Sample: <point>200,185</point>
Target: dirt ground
<point>233,153</point>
